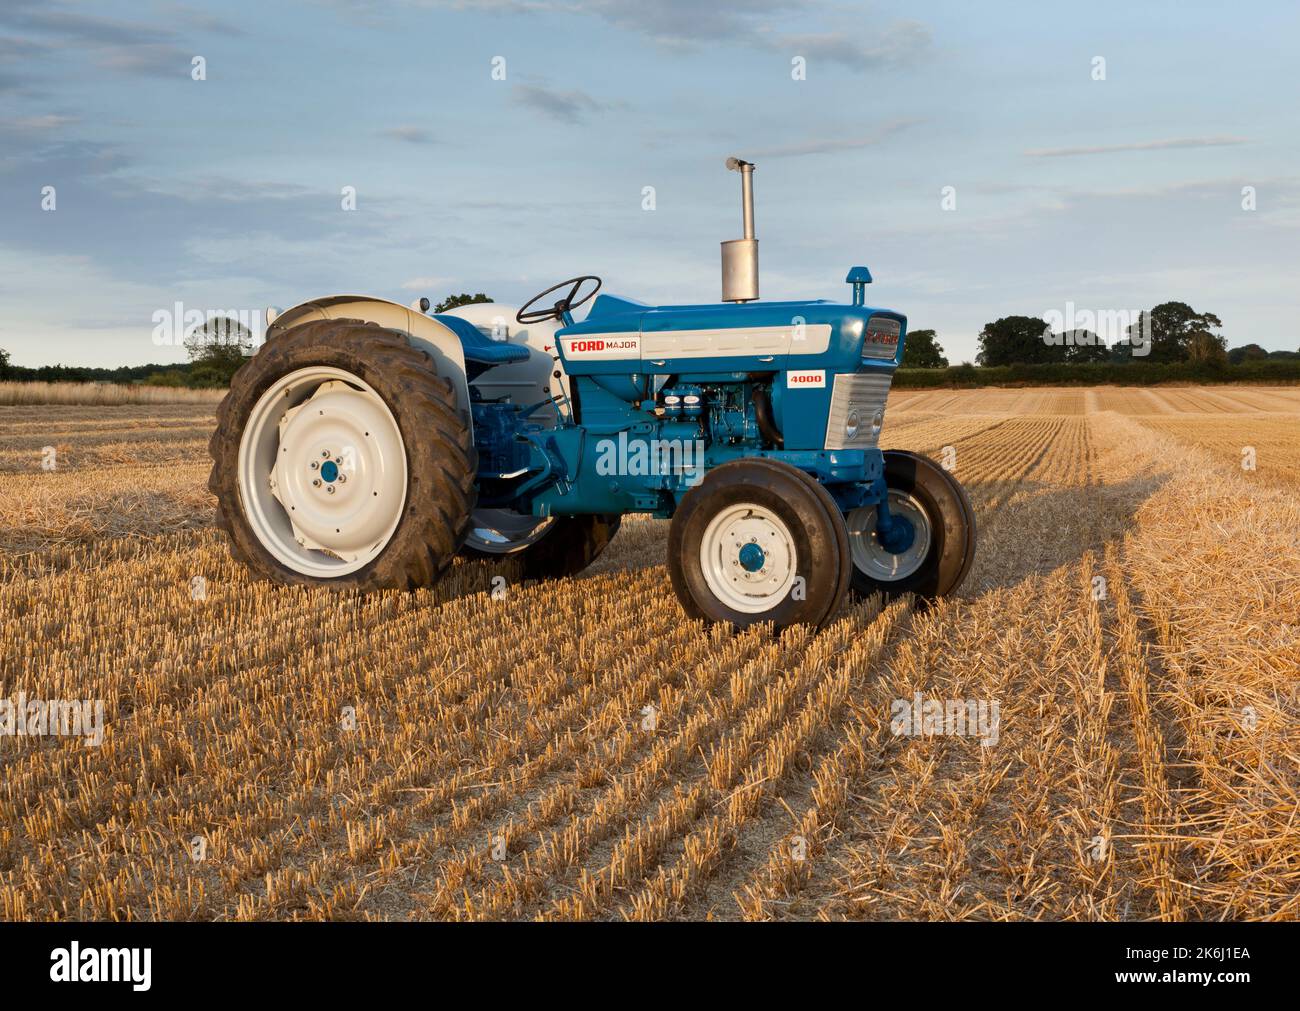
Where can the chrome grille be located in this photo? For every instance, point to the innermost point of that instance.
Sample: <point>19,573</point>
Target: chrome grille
<point>864,392</point>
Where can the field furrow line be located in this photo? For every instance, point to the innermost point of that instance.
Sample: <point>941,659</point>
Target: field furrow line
<point>736,734</point>
<point>580,756</point>
<point>743,791</point>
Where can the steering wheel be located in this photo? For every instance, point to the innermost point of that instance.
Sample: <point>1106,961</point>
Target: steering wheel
<point>565,305</point>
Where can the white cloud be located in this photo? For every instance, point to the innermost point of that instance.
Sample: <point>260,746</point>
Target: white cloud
<point>1149,145</point>
<point>564,106</point>
<point>889,45</point>
<point>410,134</point>
<point>37,124</point>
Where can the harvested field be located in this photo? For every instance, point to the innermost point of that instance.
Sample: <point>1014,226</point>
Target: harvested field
<point>578,750</point>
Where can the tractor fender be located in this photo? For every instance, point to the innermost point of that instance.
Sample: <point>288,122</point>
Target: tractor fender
<point>442,345</point>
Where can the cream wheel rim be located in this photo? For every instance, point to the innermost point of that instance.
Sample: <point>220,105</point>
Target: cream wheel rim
<point>322,472</point>
<point>748,558</point>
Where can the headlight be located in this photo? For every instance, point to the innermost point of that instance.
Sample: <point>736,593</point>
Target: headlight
<point>876,422</point>
<point>851,424</point>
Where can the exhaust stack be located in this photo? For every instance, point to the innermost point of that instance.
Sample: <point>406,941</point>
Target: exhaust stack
<point>740,256</point>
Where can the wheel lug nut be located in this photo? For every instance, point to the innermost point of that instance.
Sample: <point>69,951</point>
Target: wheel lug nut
<point>315,482</point>
<point>330,489</point>
<point>325,454</point>
<point>343,479</point>
<point>315,465</point>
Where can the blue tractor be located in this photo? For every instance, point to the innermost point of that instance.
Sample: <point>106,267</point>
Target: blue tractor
<point>367,443</point>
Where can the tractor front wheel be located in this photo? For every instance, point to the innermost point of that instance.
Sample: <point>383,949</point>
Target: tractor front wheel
<point>341,458</point>
<point>932,541</point>
<point>757,541</point>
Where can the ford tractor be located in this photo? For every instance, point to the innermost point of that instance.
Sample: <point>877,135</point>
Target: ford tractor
<point>368,443</point>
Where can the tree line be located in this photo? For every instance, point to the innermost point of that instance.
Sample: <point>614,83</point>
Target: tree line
<point>1173,333</point>
<point>125,374</point>
<point>216,349</point>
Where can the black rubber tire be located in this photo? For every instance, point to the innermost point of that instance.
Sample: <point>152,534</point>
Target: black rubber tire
<point>821,548</point>
<point>832,508</point>
<point>952,530</point>
<point>967,509</point>
<point>440,457</point>
<point>569,546</point>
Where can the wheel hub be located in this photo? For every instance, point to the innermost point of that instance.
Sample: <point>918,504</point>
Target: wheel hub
<point>897,536</point>
<point>895,550</point>
<point>752,557</point>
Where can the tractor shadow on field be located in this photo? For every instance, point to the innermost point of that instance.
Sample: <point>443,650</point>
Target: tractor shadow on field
<point>1026,528</point>
<point>1031,528</point>
<point>639,545</point>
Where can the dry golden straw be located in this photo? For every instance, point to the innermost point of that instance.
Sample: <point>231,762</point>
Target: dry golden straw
<point>578,750</point>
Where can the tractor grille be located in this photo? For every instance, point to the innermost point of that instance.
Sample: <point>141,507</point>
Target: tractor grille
<point>865,393</point>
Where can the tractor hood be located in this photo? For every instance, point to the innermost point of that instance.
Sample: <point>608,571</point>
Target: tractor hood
<point>843,334</point>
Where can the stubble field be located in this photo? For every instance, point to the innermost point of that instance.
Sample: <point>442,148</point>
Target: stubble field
<point>578,750</point>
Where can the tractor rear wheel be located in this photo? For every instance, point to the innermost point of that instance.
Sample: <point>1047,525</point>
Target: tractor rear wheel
<point>341,458</point>
<point>553,547</point>
<point>933,555</point>
<point>756,542</point>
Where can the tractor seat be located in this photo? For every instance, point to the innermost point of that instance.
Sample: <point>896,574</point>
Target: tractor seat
<point>479,349</point>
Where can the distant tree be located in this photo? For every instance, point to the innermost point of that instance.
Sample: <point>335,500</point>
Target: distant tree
<point>1087,347</point>
<point>1173,325</point>
<point>452,301</point>
<point>1015,340</point>
<point>1204,348</point>
<point>214,375</point>
<point>219,337</point>
<point>922,351</point>
<point>217,349</point>
<point>1247,352</point>
<point>1285,355</point>
<point>1120,352</point>
<point>4,364</point>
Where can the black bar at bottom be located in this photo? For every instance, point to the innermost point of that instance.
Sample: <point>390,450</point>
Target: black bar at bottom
<point>736,961</point>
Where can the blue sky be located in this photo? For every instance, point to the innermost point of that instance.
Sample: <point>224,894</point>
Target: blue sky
<point>225,193</point>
